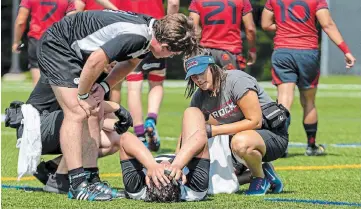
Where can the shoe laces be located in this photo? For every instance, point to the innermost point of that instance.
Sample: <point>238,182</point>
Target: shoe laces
<point>256,183</point>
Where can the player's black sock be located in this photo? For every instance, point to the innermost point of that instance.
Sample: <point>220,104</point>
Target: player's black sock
<point>311,130</point>
<point>92,175</point>
<point>76,177</point>
<point>62,177</point>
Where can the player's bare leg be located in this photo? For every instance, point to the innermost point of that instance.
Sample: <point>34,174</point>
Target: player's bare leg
<point>285,96</point>
<point>135,105</point>
<point>307,98</point>
<point>35,75</point>
<point>155,96</point>
<point>116,93</point>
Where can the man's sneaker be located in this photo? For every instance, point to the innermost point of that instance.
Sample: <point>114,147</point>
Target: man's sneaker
<point>152,135</point>
<point>315,151</point>
<point>86,191</point>
<point>258,186</point>
<point>56,185</point>
<point>44,170</point>
<point>106,189</point>
<point>272,177</point>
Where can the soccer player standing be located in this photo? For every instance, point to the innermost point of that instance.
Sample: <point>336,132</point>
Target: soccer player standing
<point>295,59</point>
<point>220,25</point>
<point>156,71</point>
<point>43,14</point>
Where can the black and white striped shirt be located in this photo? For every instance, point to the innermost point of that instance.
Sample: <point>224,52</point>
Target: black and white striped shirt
<point>122,35</point>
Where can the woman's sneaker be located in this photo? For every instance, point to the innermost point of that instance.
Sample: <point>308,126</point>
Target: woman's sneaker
<point>152,135</point>
<point>258,186</point>
<point>272,177</point>
<point>87,191</point>
<point>56,185</point>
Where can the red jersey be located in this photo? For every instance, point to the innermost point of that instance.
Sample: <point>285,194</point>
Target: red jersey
<point>152,8</point>
<point>296,22</point>
<point>221,22</point>
<point>44,13</point>
<point>93,5</point>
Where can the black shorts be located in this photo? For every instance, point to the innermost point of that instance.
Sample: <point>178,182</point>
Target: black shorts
<point>32,55</point>
<point>58,62</point>
<point>228,60</point>
<point>276,142</point>
<point>134,177</point>
<point>50,124</point>
<point>150,63</point>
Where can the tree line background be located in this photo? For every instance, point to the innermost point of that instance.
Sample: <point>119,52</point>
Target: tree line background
<point>260,70</point>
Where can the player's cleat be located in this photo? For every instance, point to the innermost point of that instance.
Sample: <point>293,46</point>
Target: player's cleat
<point>152,135</point>
<point>144,140</point>
<point>87,191</point>
<point>56,185</point>
<point>272,177</point>
<point>44,170</point>
<point>315,151</point>
<point>104,187</point>
<point>258,186</point>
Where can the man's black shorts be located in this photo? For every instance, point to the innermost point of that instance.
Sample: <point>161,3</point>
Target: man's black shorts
<point>50,124</point>
<point>32,55</point>
<point>58,61</point>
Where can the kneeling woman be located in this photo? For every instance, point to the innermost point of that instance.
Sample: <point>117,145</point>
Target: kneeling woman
<point>234,104</point>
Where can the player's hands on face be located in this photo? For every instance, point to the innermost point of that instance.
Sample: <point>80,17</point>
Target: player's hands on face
<point>350,60</point>
<point>15,49</point>
<point>97,92</point>
<point>89,105</point>
<point>156,173</point>
<point>252,56</point>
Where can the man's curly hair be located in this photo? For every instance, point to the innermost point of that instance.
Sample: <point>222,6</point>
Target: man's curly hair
<point>169,193</point>
<point>177,31</point>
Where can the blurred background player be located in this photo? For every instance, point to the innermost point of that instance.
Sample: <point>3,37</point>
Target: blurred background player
<point>43,14</point>
<point>219,23</point>
<point>156,70</point>
<point>296,59</point>
<point>82,5</point>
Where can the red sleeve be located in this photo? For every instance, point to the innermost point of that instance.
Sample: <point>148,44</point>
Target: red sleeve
<point>26,4</point>
<point>268,5</point>
<point>71,6</point>
<point>321,4</point>
<point>193,7</point>
<point>247,7</point>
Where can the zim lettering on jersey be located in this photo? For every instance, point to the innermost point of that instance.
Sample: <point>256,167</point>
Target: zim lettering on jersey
<point>121,11</point>
<point>224,110</point>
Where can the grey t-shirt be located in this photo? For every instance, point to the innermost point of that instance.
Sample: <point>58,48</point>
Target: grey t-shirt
<point>223,107</point>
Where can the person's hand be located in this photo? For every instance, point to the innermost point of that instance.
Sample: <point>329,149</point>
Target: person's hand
<point>175,173</point>
<point>15,48</point>
<point>350,60</point>
<point>89,105</point>
<point>125,120</point>
<point>98,92</point>
<point>156,173</point>
<point>252,56</point>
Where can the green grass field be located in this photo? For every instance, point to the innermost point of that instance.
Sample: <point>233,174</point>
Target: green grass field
<point>334,177</point>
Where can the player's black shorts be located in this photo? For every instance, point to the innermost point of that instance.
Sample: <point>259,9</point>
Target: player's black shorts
<point>134,176</point>
<point>276,142</point>
<point>50,124</point>
<point>58,61</point>
<point>228,60</point>
<point>150,63</point>
<point>32,55</point>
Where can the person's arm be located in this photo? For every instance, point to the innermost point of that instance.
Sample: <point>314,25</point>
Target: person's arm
<point>19,27</point>
<point>173,7</point>
<point>267,21</point>
<point>120,71</point>
<point>251,109</point>
<point>250,30</point>
<point>79,5</point>
<point>107,4</point>
<point>92,69</point>
<point>330,28</point>
<point>196,23</point>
